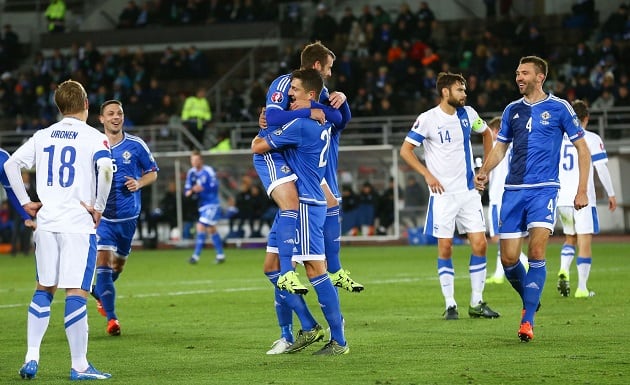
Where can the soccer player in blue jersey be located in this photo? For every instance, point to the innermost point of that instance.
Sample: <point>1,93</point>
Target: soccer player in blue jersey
<point>278,178</point>
<point>305,144</point>
<point>534,124</point>
<point>134,169</point>
<point>73,170</point>
<point>444,131</point>
<point>202,184</point>
<point>28,220</point>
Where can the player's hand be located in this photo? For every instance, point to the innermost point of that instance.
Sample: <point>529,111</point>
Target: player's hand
<point>196,188</point>
<point>318,114</point>
<point>337,99</point>
<point>31,224</point>
<point>132,184</point>
<point>32,208</point>
<point>96,215</point>
<point>434,185</point>
<point>299,104</point>
<point>612,203</point>
<point>481,179</point>
<point>580,201</point>
<point>262,119</point>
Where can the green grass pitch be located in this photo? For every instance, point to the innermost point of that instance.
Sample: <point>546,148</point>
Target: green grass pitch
<point>212,324</point>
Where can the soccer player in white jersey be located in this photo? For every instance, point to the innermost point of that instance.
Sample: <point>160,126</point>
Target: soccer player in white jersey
<point>444,131</point>
<point>495,193</point>
<point>580,225</point>
<point>534,124</point>
<point>134,168</point>
<point>74,173</point>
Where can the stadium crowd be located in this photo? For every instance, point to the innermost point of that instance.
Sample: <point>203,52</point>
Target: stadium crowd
<point>387,64</point>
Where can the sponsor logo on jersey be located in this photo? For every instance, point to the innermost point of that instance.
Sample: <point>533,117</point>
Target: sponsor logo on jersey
<point>515,116</point>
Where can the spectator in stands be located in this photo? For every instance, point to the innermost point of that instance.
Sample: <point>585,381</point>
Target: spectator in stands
<point>605,101</point>
<point>385,211</point>
<point>223,143</point>
<point>622,99</point>
<point>366,17</point>
<point>197,63</point>
<point>56,15</point>
<point>244,209</point>
<point>616,24</point>
<point>366,208</point>
<point>9,49</point>
<point>196,115</point>
<point>415,202</point>
<point>349,213</point>
<point>582,15</point>
<point>146,15</point>
<point>425,13</point>
<point>129,15</point>
<point>380,17</point>
<point>346,22</point>
<point>324,27</point>
<point>584,90</point>
<point>260,203</point>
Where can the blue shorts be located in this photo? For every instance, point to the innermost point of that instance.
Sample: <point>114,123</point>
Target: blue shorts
<point>526,208</point>
<point>209,215</point>
<point>273,170</point>
<point>116,236</point>
<point>310,233</point>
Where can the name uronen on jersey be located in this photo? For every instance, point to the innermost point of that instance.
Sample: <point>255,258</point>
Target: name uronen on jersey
<point>60,134</point>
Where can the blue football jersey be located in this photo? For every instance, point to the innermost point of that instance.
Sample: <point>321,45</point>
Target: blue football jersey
<point>131,158</point>
<point>207,179</point>
<point>536,132</point>
<point>333,152</point>
<point>278,98</point>
<point>305,145</point>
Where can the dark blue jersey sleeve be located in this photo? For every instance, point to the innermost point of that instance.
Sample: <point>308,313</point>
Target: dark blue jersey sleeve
<point>4,156</point>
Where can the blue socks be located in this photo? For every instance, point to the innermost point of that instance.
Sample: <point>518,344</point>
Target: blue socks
<point>286,303</point>
<point>105,290</point>
<point>218,243</point>
<point>332,242</point>
<point>533,287</point>
<point>329,301</point>
<point>516,274</point>
<point>199,242</point>
<point>285,236</point>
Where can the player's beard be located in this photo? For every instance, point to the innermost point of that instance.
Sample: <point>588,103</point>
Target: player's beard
<point>456,103</point>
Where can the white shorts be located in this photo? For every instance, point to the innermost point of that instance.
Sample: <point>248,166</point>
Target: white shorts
<point>65,260</point>
<point>463,209</point>
<point>584,221</point>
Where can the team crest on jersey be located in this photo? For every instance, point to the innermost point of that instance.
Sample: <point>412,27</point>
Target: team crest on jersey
<point>576,122</point>
<point>545,118</point>
<point>278,132</point>
<point>285,169</point>
<point>126,157</point>
<point>277,97</point>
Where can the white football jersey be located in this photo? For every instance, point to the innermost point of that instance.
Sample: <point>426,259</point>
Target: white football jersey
<point>569,173</point>
<point>64,156</point>
<point>497,177</point>
<point>447,149</point>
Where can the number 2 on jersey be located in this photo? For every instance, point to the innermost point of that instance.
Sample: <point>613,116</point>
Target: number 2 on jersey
<point>67,157</point>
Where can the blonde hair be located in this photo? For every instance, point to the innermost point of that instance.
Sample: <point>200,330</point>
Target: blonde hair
<point>70,97</point>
